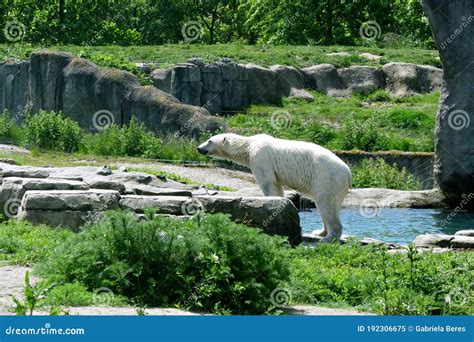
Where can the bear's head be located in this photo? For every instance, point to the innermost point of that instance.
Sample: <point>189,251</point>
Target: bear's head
<point>227,146</point>
<point>216,146</point>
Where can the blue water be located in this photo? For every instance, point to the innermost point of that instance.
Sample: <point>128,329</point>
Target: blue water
<point>393,224</point>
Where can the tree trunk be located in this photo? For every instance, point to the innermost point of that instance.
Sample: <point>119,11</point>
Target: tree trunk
<point>61,20</point>
<point>452,24</point>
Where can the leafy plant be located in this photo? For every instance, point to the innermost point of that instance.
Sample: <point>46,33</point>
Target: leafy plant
<point>376,173</point>
<point>207,263</point>
<point>32,294</point>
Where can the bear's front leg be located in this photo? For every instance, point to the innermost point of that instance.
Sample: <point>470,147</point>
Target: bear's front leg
<point>267,183</point>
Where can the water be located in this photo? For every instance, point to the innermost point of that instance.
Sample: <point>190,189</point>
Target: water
<point>393,224</point>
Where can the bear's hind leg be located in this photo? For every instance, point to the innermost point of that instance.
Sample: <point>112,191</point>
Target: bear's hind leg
<point>330,213</point>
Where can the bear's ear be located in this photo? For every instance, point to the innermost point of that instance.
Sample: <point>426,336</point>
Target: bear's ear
<point>224,140</point>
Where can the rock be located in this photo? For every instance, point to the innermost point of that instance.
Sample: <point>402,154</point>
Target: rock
<point>46,81</point>
<point>370,57</point>
<point>323,77</point>
<point>433,240</point>
<point>25,172</point>
<point>161,79</point>
<point>387,198</point>
<point>145,68</point>
<point>171,205</point>
<point>467,232</point>
<point>101,91</point>
<point>460,241</point>
<point>431,78</point>
<point>288,77</point>
<point>454,161</point>
<point>234,94</point>
<point>163,114</point>
<point>402,79</point>
<point>263,86</point>
<point>146,190</point>
<point>339,54</point>
<point>196,61</point>
<point>104,171</point>
<point>361,79</point>
<point>14,88</point>
<point>73,220</point>
<point>274,215</point>
<point>301,94</point>
<point>186,83</point>
<point>8,161</point>
<point>71,200</point>
<point>106,185</point>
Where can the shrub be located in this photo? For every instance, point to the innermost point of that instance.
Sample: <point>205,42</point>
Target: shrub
<point>363,135</point>
<point>374,280</point>
<point>8,129</point>
<point>376,173</point>
<point>52,131</point>
<point>207,263</point>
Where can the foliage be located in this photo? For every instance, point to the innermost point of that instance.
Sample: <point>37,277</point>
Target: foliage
<point>9,130</point>
<point>207,263</point>
<point>146,22</point>
<point>53,131</point>
<point>376,173</point>
<point>372,279</point>
<point>23,243</point>
<point>32,294</point>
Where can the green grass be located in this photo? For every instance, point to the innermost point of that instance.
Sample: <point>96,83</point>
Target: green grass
<point>372,122</point>
<point>170,54</point>
<point>22,243</point>
<point>78,267</point>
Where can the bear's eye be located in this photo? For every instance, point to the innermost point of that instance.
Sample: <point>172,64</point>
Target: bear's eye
<point>210,141</point>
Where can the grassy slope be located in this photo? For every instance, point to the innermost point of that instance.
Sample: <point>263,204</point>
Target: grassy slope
<point>406,123</point>
<point>300,56</point>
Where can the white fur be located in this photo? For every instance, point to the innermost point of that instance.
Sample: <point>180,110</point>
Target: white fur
<point>308,168</point>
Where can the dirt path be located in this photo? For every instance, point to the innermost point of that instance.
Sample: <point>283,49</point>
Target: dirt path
<point>12,282</point>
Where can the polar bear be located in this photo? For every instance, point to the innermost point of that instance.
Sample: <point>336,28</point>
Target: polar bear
<point>308,168</point>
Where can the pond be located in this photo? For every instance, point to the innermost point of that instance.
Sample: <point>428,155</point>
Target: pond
<point>393,224</point>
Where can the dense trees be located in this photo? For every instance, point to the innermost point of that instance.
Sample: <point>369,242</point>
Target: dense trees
<point>124,22</point>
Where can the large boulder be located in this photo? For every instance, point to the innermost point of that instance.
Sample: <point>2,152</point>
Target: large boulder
<point>263,85</point>
<point>234,94</point>
<point>46,79</point>
<point>452,30</point>
<point>402,79</point>
<point>93,96</point>
<point>274,215</point>
<point>433,240</point>
<point>186,83</point>
<point>323,77</point>
<point>431,78</point>
<point>288,77</point>
<point>361,79</point>
<point>14,87</point>
<point>161,79</point>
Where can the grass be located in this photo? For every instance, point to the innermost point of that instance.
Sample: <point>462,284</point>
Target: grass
<point>372,122</point>
<point>364,277</point>
<point>170,54</point>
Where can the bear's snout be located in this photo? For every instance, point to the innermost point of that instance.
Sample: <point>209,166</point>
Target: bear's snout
<point>202,150</point>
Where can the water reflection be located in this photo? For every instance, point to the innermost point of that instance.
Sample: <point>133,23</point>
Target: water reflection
<point>394,224</point>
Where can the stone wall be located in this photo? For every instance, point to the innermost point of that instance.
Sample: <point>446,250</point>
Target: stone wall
<point>93,96</point>
<point>225,86</point>
<point>74,196</point>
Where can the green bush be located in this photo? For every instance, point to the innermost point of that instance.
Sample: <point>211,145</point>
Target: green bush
<point>52,131</point>
<point>207,263</point>
<point>8,129</point>
<point>373,280</point>
<point>376,173</point>
<point>363,135</point>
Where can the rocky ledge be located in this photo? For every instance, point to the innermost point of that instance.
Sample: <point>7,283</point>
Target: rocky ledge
<point>73,196</point>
